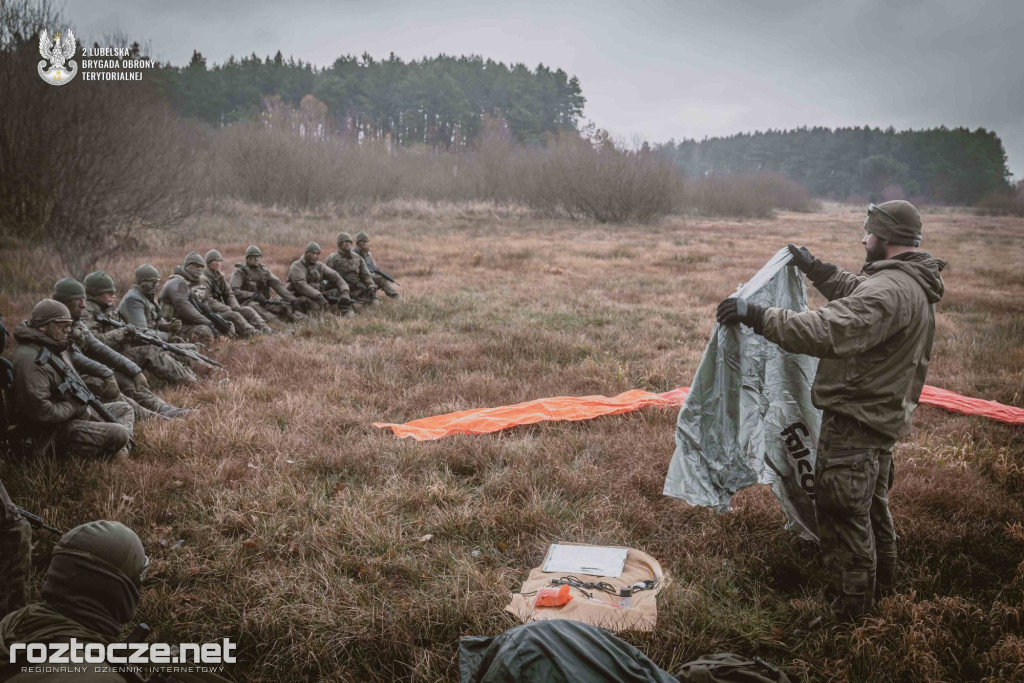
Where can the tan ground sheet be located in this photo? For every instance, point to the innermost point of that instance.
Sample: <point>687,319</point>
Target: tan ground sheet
<point>602,609</point>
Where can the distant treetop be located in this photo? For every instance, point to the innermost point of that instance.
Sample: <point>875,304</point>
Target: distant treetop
<point>435,101</point>
<point>953,166</point>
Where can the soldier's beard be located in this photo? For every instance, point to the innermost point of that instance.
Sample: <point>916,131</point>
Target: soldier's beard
<point>875,253</point>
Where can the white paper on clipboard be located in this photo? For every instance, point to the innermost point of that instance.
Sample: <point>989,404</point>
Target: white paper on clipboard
<point>595,560</point>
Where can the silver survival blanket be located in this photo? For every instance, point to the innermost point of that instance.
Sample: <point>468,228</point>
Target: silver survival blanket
<point>748,418</point>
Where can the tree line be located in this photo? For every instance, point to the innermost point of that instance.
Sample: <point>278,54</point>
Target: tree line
<point>438,101</point>
<point>952,166</point>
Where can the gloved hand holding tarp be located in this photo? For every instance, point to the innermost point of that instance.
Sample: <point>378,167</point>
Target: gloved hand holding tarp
<point>748,418</point>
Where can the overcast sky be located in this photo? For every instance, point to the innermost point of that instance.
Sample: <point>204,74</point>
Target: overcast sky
<point>657,69</point>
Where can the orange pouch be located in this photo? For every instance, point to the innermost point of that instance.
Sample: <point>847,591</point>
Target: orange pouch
<point>553,596</point>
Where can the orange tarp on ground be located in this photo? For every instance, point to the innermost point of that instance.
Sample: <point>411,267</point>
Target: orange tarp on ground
<point>487,420</point>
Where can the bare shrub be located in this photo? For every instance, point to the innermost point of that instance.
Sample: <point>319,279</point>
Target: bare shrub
<point>746,195</point>
<point>89,166</point>
<point>1003,203</point>
<point>598,181</point>
<point>273,165</point>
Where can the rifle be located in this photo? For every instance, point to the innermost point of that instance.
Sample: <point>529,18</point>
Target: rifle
<point>221,325</point>
<point>37,522</point>
<point>378,271</point>
<point>336,300</point>
<point>260,299</point>
<point>153,340</point>
<point>76,388</point>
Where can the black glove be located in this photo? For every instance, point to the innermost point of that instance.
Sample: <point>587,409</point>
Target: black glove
<point>802,258</point>
<point>735,310</point>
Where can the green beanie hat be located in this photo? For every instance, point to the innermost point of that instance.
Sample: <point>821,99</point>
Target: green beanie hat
<point>253,250</point>
<point>112,542</point>
<point>312,246</point>
<point>213,255</point>
<point>94,576</point>
<point>362,237</point>
<point>896,222</point>
<point>193,257</point>
<point>68,289</point>
<point>146,272</point>
<point>48,311</point>
<point>99,283</point>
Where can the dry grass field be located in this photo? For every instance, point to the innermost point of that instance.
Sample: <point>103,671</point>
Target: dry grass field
<point>280,517</point>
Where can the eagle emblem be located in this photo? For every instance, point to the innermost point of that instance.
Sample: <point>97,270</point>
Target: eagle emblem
<point>58,51</point>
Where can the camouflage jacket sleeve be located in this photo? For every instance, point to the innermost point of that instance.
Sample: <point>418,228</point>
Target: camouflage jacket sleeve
<point>364,274</point>
<point>368,260</point>
<point>34,394</point>
<point>833,282</point>
<point>133,312</point>
<point>112,337</point>
<point>100,352</point>
<point>236,283</point>
<point>178,293</point>
<point>844,327</point>
<point>335,280</point>
<point>87,366</point>
<point>229,295</point>
<point>297,276</point>
<point>279,287</point>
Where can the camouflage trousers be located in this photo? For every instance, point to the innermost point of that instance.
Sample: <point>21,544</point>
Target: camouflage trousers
<point>313,308</point>
<point>247,322</point>
<point>385,286</point>
<point>143,402</point>
<point>15,556</point>
<point>161,365</point>
<point>853,475</point>
<point>277,312</point>
<point>93,439</point>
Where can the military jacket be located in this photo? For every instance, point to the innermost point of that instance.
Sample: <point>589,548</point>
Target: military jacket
<point>874,338</point>
<point>307,279</point>
<point>352,268</point>
<point>247,280</point>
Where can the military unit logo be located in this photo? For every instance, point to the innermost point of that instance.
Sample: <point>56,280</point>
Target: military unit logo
<point>58,51</point>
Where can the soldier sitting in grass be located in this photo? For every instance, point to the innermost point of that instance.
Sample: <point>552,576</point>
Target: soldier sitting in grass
<point>350,266</point>
<point>43,412</point>
<point>143,316</point>
<point>110,375</point>
<point>252,280</point>
<point>363,249</point>
<point>176,301</point>
<point>222,300</point>
<point>318,287</point>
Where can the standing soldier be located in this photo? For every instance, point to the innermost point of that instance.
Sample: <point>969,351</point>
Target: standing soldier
<point>175,300</point>
<point>874,339</point>
<point>44,412</point>
<point>363,249</point>
<point>128,378</point>
<point>313,284</point>
<point>222,300</point>
<point>351,267</point>
<point>252,280</point>
<point>143,315</point>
